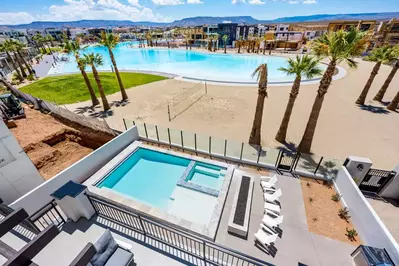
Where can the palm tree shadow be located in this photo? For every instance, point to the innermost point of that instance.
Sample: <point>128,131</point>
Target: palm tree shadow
<point>87,109</point>
<point>374,109</point>
<point>120,103</point>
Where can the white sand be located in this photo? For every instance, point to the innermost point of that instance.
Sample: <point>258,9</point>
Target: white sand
<point>227,111</point>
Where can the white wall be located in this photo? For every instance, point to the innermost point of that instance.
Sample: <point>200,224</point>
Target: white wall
<point>77,172</point>
<point>371,229</point>
<point>392,189</point>
<point>18,175</point>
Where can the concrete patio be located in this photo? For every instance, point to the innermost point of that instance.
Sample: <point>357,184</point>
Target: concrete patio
<point>296,244</point>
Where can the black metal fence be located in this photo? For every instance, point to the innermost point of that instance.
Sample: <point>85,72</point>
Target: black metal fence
<point>375,180</point>
<point>260,156</point>
<point>195,246</point>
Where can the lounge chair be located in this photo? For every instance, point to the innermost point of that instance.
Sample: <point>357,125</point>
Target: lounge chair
<point>272,207</point>
<point>268,184</point>
<point>272,197</point>
<point>263,238</point>
<point>270,221</point>
<point>267,178</point>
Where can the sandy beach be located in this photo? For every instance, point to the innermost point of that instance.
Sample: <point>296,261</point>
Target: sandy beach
<point>344,128</point>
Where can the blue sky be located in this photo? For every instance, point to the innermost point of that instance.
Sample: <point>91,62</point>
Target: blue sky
<point>26,11</point>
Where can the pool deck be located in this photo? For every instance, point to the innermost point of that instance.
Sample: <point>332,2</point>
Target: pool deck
<point>208,231</point>
<point>295,244</point>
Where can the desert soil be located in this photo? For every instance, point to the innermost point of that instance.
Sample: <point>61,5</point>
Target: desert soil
<point>322,212</point>
<point>343,129</point>
<point>51,145</point>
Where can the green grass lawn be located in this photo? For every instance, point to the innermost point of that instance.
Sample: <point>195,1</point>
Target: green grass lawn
<point>72,88</point>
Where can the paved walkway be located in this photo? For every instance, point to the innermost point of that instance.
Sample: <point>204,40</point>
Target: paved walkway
<point>296,244</point>
<point>44,66</point>
<point>388,211</point>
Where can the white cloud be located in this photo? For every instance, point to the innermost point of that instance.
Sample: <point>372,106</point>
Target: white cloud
<point>87,9</point>
<point>293,2</point>
<point>15,18</point>
<point>308,2</point>
<point>256,2</point>
<point>238,2</point>
<point>167,2</point>
<point>194,2</point>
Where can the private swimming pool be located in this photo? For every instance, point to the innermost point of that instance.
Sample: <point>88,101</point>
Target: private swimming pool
<point>186,190</point>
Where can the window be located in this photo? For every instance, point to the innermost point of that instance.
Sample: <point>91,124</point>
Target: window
<point>283,34</point>
<point>282,29</point>
<point>365,27</point>
<point>308,33</point>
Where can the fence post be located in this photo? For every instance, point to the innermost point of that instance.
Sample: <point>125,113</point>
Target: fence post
<point>195,143</point>
<point>134,123</point>
<point>124,123</point>
<point>297,160</point>
<point>260,149</point>
<point>317,168</point>
<point>59,214</point>
<point>170,143</point>
<point>278,157</point>
<point>225,147</point>
<point>181,137</point>
<point>210,144</point>
<point>156,130</point>
<point>142,225</point>
<point>169,112</point>
<point>145,129</point>
<point>242,147</point>
<point>206,87</point>
<point>203,249</point>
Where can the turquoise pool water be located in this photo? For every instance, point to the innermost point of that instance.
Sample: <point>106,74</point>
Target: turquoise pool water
<point>187,63</point>
<point>151,177</point>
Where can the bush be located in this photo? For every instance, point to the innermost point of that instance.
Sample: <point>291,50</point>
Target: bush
<point>344,214</point>
<point>30,77</point>
<point>309,185</point>
<point>351,234</point>
<point>336,197</point>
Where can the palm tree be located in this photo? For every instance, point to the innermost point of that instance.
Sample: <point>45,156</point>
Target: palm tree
<point>74,48</point>
<point>110,41</point>
<point>12,48</point>
<point>379,55</point>
<point>336,47</point>
<point>5,47</point>
<point>40,40</point>
<point>95,60</point>
<point>394,104</point>
<point>261,73</point>
<point>18,48</point>
<point>187,38</point>
<point>380,94</point>
<point>225,39</point>
<point>215,38</point>
<point>300,66</point>
<point>239,44</point>
<point>50,39</point>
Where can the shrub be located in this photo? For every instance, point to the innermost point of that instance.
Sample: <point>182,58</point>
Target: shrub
<point>336,197</point>
<point>344,214</point>
<point>311,199</point>
<point>327,184</point>
<point>30,77</point>
<point>308,184</point>
<point>351,234</point>
<point>315,219</point>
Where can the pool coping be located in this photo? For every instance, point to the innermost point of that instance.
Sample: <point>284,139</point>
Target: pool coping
<point>208,231</point>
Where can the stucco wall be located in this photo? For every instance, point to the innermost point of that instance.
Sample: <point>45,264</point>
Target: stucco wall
<point>77,172</point>
<point>18,175</point>
<point>371,229</point>
<point>392,189</point>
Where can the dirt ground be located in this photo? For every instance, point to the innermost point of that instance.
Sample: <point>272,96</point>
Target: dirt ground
<point>51,145</point>
<point>322,212</point>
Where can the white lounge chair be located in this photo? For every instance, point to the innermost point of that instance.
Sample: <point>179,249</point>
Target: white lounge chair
<point>272,197</point>
<point>268,184</point>
<point>267,178</point>
<point>272,207</point>
<point>263,238</point>
<point>270,221</point>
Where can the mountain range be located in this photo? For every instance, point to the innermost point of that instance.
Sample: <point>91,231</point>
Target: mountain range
<point>195,21</point>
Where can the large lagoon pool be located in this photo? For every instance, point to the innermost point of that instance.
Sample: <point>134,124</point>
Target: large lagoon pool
<point>180,186</point>
<point>193,64</point>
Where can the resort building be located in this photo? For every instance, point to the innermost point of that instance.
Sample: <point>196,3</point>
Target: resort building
<point>388,32</point>
<point>57,34</point>
<point>229,29</point>
<point>76,32</point>
<point>98,31</point>
<point>194,33</point>
<point>210,30</point>
<point>363,25</point>
<point>18,34</point>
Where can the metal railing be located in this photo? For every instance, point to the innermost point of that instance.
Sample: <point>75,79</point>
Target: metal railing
<point>193,245</point>
<point>47,215</point>
<point>260,156</point>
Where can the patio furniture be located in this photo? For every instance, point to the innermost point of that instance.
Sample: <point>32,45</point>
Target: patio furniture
<point>267,178</point>
<point>106,251</point>
<point>268,184</point>
<point>270,221</point>
<point>272,207</point>
<point>272,197</point>
<point>263,238</point>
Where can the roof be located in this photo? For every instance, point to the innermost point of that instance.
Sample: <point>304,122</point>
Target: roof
<point>71,189</point>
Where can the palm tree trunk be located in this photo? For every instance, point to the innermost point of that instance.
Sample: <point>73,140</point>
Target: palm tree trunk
<point>118,76</point>
<point>270,49</point>
<point>15,66</point>
<point>225,47</point>
<point>381,92</point>
<point>93,97</point>
<point>21,67</point>
<point>239,48</point>
<point>254,137</point>
<point>282,132</point>
<point>264,48</point>
<point>325,82</point>
<point>365,91</point>
<point>28,67</point>
<point>100,89</point>
<point>394,104</point>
